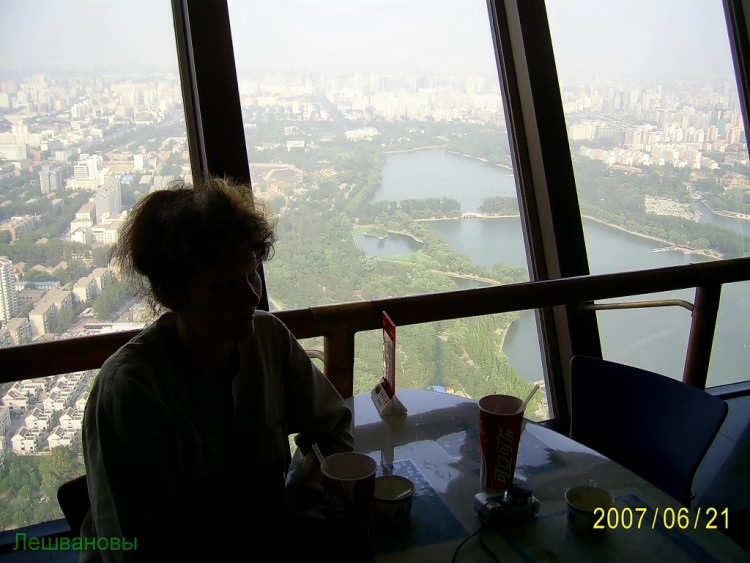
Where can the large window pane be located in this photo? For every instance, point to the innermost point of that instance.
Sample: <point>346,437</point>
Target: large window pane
<point>91,119</point>
<point>661,162</point>
<point>376,132</point>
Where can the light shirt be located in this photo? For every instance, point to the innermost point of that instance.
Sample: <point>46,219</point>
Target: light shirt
<point>168,465</point>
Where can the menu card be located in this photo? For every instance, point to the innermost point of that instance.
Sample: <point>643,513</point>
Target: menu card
<point>384,393</point>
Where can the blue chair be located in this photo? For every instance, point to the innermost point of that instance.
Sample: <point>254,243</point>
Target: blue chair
<point>74,501</point>
<point>658,427</point>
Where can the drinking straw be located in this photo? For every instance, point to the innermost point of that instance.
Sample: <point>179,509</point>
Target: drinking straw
<point>528,398</point>
<point>318,453</point>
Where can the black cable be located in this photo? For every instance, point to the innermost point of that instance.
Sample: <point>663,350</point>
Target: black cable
<point>459,546</point>
<point>467,538</point>
<point>484,546</point>
<point>481,542</point>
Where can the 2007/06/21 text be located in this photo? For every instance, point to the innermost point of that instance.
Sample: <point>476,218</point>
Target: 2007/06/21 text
<point>670,518</point>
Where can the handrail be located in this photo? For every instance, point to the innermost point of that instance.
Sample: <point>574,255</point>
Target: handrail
<point>638,305</point>
<point>339,323</point>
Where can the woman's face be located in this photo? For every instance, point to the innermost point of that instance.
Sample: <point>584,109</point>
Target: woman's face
<point>220,302</point>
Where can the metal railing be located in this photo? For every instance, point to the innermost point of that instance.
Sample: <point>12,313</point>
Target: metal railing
<point>339,323</point>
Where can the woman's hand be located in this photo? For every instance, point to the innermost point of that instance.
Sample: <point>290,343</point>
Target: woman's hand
<point>312,492</point>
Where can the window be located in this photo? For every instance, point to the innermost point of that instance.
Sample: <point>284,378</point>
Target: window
<point>661,163</point>
<point>91,119</point>
<point>377,135</point>
<point>375,130</point>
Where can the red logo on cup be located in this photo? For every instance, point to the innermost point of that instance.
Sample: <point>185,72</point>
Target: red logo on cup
<point>504,462</point>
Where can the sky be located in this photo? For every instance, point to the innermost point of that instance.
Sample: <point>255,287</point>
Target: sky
<point>591,37</point>
<point>383,35</point>
<point>86,33</point>
<point>671,38</point>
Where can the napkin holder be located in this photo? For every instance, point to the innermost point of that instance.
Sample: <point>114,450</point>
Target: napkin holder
<point>384,393</point>
<point>386,401</point>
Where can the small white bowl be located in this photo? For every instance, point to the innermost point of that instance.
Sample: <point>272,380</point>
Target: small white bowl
<point>393,499</point>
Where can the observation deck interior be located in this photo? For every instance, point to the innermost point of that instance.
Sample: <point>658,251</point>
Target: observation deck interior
<point>562,289</point>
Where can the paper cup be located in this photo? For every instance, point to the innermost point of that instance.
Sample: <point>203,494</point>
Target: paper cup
<point>393,499</point>
<point>349,481</point>
<point>500,425</point>
<point>582,504</point>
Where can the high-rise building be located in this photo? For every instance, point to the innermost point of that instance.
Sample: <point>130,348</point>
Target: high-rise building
<point>88,173</point>
<point>8,295</point>
<point>50,179</point>
<point>108,199</point>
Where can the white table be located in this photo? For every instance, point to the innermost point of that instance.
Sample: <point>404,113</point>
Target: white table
<point>436,444</point>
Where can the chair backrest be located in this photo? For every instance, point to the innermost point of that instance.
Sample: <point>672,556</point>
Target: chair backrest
<point>658,427</point>
<point>74,501</point>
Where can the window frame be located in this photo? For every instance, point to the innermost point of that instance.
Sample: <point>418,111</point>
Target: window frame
<point>550,215</point>
<point>210,90</point>
<point>542,163</point>
<point>548,200</point>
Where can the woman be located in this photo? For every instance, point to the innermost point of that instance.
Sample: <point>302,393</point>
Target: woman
<point>186,431</point>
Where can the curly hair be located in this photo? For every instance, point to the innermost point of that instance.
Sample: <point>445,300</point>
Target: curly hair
<point>170,234</point>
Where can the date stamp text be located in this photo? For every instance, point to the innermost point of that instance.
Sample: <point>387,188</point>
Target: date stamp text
<point>640,517</point>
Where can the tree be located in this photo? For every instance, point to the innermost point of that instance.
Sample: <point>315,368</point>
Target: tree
<point>18,471</point>
<point>60,466</point>
<point>702,243</point>
<point>100,256</point>
<point>65,317</point>
<point>37,275</point>
<point>110,300</point>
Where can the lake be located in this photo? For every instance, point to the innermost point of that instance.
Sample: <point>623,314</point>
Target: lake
<point>662,348</point>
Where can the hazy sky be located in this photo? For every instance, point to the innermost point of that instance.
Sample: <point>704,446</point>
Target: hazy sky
<point>417,35</point>
<point>671,38</point>
<point>592,37</point>
<point>86,33</point>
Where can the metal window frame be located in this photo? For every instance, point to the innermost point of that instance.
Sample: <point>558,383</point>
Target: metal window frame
<point>738,28</point>
<point>544,172</point>
<point>210,90</point>
<point>550,214</point>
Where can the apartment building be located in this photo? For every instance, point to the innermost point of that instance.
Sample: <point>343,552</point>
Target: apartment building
<point>8,296</point>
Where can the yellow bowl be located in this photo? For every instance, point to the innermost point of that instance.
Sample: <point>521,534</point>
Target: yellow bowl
<point>583,502</point>
<point>393,499</point>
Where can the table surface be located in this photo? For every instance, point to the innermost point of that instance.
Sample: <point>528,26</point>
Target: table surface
<point>436,444</point>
